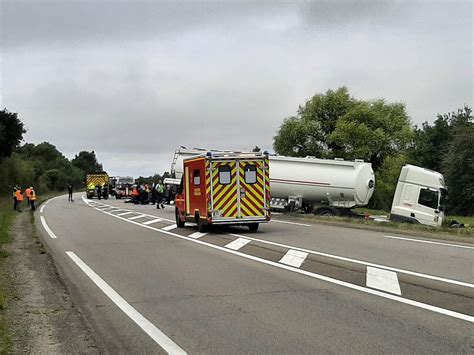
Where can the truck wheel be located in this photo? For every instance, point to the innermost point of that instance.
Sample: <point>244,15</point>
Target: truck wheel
<point>253,227</point>
<point>200,225</point>
<point>291,206</point>
<point>325,211</point>
<point>179,223</point>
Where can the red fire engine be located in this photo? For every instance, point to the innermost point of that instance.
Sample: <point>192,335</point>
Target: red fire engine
<point>224,188</point>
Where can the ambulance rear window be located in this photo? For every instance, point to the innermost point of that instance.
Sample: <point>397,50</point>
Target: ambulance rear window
<point>224,175</point>
<point>197,177</point>
<point>250,174</point>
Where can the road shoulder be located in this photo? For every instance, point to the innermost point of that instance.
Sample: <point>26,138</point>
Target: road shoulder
<point>42,316</point>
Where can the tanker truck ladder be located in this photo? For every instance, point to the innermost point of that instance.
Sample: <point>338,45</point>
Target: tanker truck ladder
<point>175,159</point>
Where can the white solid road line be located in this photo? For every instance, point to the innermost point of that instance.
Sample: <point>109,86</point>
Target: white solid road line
<point>168,228</point>
<point>383,280</point>
<point>46,227</point>
<point>430,242</point>
<point>294,258</point>
<point>152,221</point>
<point>42,208</point>
<point>156,334</point>
<point>238,243</point>
<point>125,213</point>
<point>293,223</point>
<point>396,298</point>
<point>196,235</point>
<point>361,262</point>
<point>137,217</point>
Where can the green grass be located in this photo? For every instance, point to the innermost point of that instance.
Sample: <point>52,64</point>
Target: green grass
<point>445,232</point>
<point>6,217</point>
<point>467,220</point>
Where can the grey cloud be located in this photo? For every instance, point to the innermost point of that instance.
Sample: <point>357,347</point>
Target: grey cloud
<point>74,22</point>
<point>135,80</point>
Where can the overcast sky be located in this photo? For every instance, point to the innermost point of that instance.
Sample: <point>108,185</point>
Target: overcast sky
<point>133,80</point>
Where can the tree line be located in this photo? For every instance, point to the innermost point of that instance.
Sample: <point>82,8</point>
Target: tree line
<point>42,166</point>
<point>336,125</point>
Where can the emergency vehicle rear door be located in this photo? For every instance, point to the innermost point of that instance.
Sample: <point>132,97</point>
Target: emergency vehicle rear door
<point>224,190</point>
<point>252,188</point>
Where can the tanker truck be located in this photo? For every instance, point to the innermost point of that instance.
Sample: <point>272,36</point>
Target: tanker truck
<point>322,186</point>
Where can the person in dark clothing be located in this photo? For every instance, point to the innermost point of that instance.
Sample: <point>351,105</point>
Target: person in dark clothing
<point>154,195</point>
<point>15,201</point>
<point>143,195</point>
<point>69,189</point>
<point>106,192</point>
<point>99,191</point>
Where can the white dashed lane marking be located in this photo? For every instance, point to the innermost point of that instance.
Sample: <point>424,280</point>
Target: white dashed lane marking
<point>168,228</point>
<point>294,258</point>
<point>196,235</point>
<point>153,221</point>
<point>383,280</point>
<point>125,213</point>
<point>238,243</point>
<point>137,217</point>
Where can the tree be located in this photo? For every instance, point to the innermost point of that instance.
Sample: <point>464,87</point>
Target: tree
<point>256,149</point>
<point>335,124</point>
<point>308,132</point>
<point>458,170</point>
<point>431,142</point>
<point>373,131</point>
<point>11,132</point>
<point>87,162</point>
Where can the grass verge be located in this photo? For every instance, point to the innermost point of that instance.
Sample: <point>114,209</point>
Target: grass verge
<point>6,217</point>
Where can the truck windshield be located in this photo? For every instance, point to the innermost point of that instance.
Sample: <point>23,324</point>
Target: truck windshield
<point>428,198</point>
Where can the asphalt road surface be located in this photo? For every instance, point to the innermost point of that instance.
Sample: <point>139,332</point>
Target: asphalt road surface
<point>146,286</point>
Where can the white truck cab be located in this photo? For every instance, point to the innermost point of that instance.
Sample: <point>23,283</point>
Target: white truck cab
<point>419,197</point>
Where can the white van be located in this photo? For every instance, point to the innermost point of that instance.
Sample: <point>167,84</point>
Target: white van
<point>419,197</point>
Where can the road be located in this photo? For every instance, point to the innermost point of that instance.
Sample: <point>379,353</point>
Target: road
<point>146,286</point>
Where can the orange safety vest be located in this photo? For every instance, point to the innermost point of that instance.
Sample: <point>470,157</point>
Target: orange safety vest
<point>135,192</point>
<point>28,192</point>
<point>19,196</point>
<point>33,195</point>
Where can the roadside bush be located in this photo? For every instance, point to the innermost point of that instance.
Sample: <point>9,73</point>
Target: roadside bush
<point>386,179</point>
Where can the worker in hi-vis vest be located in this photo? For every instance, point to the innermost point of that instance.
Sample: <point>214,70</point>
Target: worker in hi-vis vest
<point>32,198</point>
<point>19,199</point>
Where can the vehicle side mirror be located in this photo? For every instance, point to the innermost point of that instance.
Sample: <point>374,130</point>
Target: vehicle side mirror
<point>441,208</point>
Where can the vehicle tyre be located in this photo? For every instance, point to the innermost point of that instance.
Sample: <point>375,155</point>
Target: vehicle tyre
<point>179,223</point>
<point>200,225</point>
<point>291,206</point>
<point>325,211</point>
<point>253,227</point>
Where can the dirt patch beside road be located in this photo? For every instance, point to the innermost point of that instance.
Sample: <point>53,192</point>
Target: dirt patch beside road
<point>40,313</point>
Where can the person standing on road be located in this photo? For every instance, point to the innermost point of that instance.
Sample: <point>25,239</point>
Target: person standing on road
<point>154,194</point>
<point>32,198</point>
<point>99,191</point>
<point>106,191</point>
<point>15,201</point>
<point>27,195</point>
<point>69,189</point>
<point>159,190</point>
<point>19,199</point>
